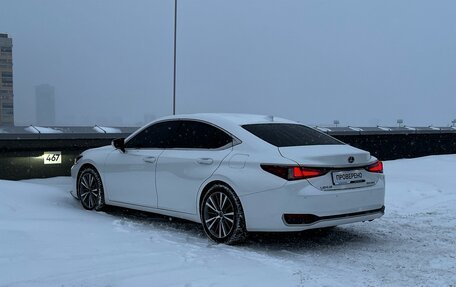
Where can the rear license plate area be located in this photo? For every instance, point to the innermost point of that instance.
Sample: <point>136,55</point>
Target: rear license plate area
<point>347,177</point>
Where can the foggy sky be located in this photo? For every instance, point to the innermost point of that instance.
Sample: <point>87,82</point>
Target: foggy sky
<point>360,62</point>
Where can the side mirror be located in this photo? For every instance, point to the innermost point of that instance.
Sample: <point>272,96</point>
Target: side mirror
<point>119,144</point>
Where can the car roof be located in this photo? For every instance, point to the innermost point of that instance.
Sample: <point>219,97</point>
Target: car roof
<point>231,118</point>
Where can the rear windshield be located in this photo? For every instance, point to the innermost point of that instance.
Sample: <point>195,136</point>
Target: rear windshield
<point>283,135</point>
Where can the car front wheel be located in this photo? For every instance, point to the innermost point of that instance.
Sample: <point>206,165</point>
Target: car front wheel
<point>90,189</point>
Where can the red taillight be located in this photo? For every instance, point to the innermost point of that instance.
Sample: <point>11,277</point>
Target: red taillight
<point>293,172</point>
<point>304,172</point>
<point>376,167</point>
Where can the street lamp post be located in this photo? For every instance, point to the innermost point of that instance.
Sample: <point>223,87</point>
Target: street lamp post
<point>174,71</point>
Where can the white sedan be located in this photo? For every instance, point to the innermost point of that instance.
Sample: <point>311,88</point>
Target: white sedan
<point>234,174</point>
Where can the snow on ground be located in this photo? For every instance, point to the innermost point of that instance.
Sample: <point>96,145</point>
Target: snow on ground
<point>47,239</point>
<point>108,130</point>
<point>42,130</point>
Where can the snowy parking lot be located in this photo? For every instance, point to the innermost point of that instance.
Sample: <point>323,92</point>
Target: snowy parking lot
<point>47,239</point>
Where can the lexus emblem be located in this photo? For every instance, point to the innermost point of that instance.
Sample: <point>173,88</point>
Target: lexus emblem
<point>351,159</point>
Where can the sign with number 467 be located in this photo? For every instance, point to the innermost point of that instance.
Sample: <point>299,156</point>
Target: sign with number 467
<point>53,157</point>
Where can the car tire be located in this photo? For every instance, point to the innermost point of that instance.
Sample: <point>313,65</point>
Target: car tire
<point>90,189</point>
<point>222,215</point>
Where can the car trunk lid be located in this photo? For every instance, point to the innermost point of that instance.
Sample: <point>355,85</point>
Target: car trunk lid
<point>339,162</point>
<point>326,155</point>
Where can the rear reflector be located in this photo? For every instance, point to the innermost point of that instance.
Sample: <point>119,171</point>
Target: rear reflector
<point>293,172</point>
<point>312,218</point>
<point>376,167</point>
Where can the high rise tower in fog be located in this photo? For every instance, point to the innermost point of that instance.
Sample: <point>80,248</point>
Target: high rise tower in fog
<point>6,81</point>
<point>45,105</point>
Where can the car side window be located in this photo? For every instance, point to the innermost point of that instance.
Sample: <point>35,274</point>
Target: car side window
<point>158,135</point>
<point>194,134</point>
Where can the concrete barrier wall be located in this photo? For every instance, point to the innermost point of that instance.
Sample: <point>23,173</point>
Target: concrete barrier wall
<point>23,159</point>
<point>22,154</point>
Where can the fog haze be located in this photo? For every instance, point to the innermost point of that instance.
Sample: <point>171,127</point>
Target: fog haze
<point>360,62</point>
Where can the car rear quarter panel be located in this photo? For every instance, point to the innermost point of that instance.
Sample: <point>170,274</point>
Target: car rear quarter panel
<point>241,170</point>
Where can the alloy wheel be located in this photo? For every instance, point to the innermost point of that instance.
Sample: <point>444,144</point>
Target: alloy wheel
<point>218,215</point>
<point>89,190</point>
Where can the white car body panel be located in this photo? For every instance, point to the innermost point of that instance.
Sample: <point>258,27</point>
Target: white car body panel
<point>174,182</point>
<point>186,170</point>
<point>129,177</point>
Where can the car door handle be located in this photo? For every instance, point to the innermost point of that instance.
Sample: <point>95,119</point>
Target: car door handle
<point>205,160</point>
<point>149,159</point>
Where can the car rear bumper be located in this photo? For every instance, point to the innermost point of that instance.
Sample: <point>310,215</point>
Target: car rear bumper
<point>311,208</point>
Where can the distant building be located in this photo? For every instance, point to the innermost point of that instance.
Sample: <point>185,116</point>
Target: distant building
<point>6,81</point>
<point>45,105</point>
